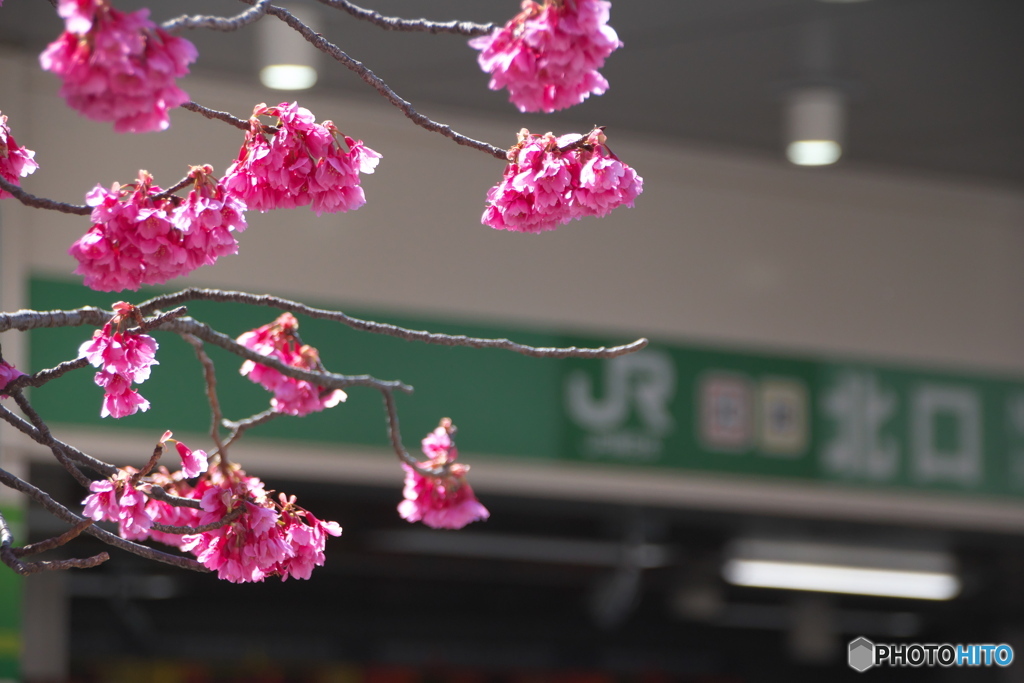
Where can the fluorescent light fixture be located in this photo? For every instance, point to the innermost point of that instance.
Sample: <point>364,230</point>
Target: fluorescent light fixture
<point>289,62</point>
<point>815,122</point>
<point>839,579</point>
<point>832,568</point>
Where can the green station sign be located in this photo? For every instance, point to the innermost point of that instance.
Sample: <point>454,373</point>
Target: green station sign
<point>671,406</point>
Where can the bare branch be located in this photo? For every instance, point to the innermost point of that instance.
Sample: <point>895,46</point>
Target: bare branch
<point>234,23</point>
<point>160,494</point>
<point>241,426</point>
<point>24,320</point>
<point>42,202</point>
<point>73,453</point>
<point>61,512</point>
<point>213,114</point>
<point>226,519</point>
<point>329,380</point>
<point>44,434</point>
<point>196,294</point>
<point>462,28</point>
<point>395,435</point>
<point>210,377</point>
<point>374,81</point>
<point>43,376</point>
<point>55,542</point>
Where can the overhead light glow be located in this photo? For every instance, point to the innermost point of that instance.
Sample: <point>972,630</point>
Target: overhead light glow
<point>288,76</point>
<point>815,123</point>
<point>813,152</point>
<point>842,579</point>
<point>288,61</point>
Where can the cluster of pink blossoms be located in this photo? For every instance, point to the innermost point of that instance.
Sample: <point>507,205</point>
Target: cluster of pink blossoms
<point>548,56</point>
<point>15,162</point>
<point>551,181</point>
<point>118,67</point>
<point>292,396</point>
<point>140,238</point>
<point>442,501</point>
<point>301,162</point>
<point>8,373</point>
<point>268,538</point>
<point>123,359</point>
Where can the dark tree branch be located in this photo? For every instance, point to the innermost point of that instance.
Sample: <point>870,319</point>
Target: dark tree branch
<point>45,435</point>
<point>55,542</point>
<point>61,512</point>
<point>73,453</point>
<point>226,519</point>
<point>213,114</point>
<point>462,28</point>
<point>42,202</point>
<point>375,82</point>
<point>238,428</point>
<point>195,294</point>
<point>234,23</point>
<point>210,378</point>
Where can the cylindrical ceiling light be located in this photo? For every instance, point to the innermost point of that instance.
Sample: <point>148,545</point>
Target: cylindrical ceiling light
<point>815,122</point>
<point>288,61</point>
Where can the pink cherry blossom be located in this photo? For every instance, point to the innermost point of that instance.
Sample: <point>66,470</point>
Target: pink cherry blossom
<point>193,463</point>
<point>548,55</point>
<point>441,501</point>
<point>117,500</point>
<point>118,67</point>
<point>268,539</point>
<point>139,237</point>
<point>123,359</point>
<point>292,396</point>
<point>551,181</point>
<point>8,373</point>
<point>301,162</point>
<point>15,162</point>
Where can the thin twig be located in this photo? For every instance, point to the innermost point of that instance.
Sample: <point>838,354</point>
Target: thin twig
<point>106,469</point>
<point>9,555</point>
<point>55,542</point>
<point>395,436</point>
<point>40,378</point>
<point>196,294</point>
<point>158,493</point>
<point>158,320</point>
<point>462,28</point>
<point>374,81</point>
<point>169,192</point>
<point>42,202</point>
<point>238,428</point>
<point>329,380</point>
<point>226,519</point>
<point>234,23</point>
<point>224,116</point>
<point>44,433</point>
<point>210,377</point>
<point>61,512</point>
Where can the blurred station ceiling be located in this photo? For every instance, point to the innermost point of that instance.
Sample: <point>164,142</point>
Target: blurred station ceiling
<point>933,87</point>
